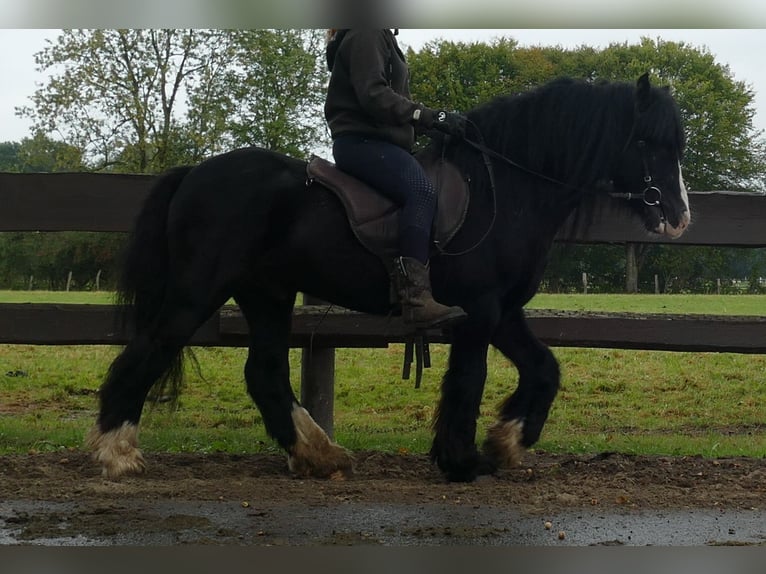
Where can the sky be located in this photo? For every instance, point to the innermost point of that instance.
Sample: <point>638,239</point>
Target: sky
<point>741,50</point>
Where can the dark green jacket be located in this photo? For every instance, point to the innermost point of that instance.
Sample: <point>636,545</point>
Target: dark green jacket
<point>369,91</point>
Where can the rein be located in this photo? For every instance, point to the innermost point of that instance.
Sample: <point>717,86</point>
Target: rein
<point>486,151</point>
<point>651,194</point>
<point>491,174</point>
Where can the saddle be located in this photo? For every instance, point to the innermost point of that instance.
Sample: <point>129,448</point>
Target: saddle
<point>374,218</point>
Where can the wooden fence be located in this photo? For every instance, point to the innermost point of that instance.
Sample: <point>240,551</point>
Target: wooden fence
<point>105,202</point>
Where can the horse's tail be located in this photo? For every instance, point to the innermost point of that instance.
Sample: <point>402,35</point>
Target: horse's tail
<point>144,273</point>
<point>142,283</point>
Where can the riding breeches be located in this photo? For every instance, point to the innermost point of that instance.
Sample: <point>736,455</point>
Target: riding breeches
<point>396,174</point>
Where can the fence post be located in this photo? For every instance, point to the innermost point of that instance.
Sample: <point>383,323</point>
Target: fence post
<point>68,281</point>
<point>585,283</point>
<point>631,267</point>
<point>318,381</point>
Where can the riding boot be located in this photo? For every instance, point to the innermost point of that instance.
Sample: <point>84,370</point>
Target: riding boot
<point>413,285</point>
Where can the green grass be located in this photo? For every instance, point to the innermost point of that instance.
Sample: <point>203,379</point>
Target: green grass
<point>682,304</point>
<point>616,400</point>
<point>641,303</point>
<point>80,297</point>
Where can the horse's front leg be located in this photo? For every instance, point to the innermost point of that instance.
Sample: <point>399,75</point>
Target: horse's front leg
<point>523,414</point>
<point>454,446</point>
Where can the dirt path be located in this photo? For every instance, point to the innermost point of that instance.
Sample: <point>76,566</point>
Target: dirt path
<point>60,499</point>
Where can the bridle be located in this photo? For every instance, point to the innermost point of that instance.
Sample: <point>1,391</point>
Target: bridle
<point>651,195</point>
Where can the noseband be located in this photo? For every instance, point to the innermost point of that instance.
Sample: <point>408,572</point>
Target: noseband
<point>651,195</point>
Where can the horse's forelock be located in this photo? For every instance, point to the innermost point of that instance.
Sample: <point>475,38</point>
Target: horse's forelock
<point>661,121</point>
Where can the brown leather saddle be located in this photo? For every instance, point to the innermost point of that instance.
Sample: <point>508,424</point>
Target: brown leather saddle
<point>374,218</point>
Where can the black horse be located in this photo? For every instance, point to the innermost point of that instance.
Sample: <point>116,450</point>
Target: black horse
<point>246,225</point>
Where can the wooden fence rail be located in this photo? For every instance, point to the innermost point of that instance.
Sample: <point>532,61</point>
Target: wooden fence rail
<point>105,202</point>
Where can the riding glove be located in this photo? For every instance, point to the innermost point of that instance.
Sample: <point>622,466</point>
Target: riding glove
<point>451,123</point>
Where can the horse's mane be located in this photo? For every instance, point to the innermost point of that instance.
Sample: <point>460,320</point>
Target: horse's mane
<point>572,130</point>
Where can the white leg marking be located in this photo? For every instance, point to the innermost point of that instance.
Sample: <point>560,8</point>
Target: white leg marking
<point>314,454</point>
<point>503,443</point>
<point>117,450</point>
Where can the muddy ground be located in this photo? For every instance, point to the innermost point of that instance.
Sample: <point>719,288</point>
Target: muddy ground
<point>606,499</point>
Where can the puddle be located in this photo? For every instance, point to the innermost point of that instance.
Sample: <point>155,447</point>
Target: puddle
<point>142,523</point>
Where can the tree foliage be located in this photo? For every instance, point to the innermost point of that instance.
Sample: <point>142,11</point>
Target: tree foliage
<point>39,154</point>
<point>9,156</point>
<point>724,150</point>
<point>144,100</point>
<point>44,260</point>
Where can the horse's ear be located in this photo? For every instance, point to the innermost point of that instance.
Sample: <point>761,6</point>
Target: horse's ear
<point>643,92</point>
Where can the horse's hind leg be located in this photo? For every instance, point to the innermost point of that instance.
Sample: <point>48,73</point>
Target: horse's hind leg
<point>150,355</point>
<point>523,415</point>
<point>267,372</point>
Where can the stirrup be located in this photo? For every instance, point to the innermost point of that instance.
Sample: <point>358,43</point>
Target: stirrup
<point>416,344</point>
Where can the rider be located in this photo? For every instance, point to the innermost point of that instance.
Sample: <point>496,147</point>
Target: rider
<point>372,121</point>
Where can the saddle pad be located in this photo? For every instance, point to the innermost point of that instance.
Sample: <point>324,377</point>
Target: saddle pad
<point>374,218</point>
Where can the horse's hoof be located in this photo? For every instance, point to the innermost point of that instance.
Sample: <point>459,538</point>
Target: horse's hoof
<point>116,451</point>
<point>464,470</point>
<point>314,455</point>
<point>486,466</point>
<point>117,468</point>
<point>503,445</point>
<point>461,475</point>
<point>334,463</point>
<point>469,472</point>
<point>460,465</point>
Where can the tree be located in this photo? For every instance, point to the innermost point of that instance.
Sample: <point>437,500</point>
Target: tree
<point>9,156</point>
<point>460,76</point>
<point>42,154</point>
<point>112,93</point>
<point>143,100</point>
<point>261,87</point>
<point>635,255</point>
<point>724,150</point>
<point>604,265</point>
<point>39,154</point>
